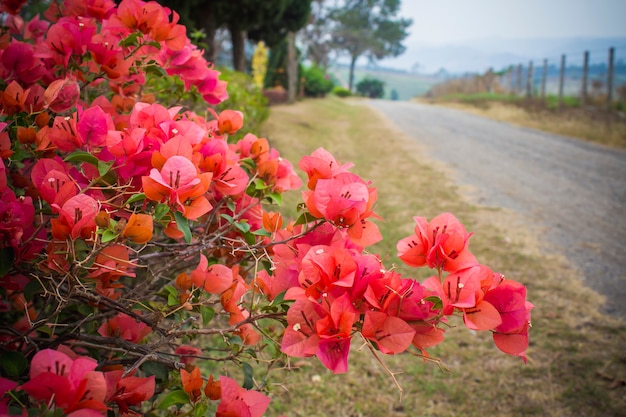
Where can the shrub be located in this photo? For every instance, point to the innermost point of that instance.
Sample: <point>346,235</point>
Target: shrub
<point>371,87</point>
<point>245,96</point>
<point>316,82</point>
<point>138,240</point>
<point>341,92</point>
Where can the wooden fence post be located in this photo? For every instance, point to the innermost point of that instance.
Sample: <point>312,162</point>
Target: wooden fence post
<point>583,92</point>
<point>544,75</point>
<point>609,81</point>
<point>561,80</point>
<point>519,78</point>
<point>529,81</point>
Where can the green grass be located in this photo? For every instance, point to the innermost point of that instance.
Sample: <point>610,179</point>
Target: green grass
<point>577,362</point>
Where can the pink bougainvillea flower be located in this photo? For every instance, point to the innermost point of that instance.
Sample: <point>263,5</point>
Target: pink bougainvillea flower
<point>77,218</point>
<point>178,182</point>
<point>509,299</point>
<point>440,243</point>
<point>324,268</point>
<point>321,165</point>
<point>237,401</point>
<point>64,133</point>
<point>230,121</point>
<point>19,63</point>
<point>94,125</point>
<point>6,385</point>
<point>125,327</point>
<point>71,384</point>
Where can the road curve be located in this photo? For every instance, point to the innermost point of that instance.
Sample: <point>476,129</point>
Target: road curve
<point>574,190</point>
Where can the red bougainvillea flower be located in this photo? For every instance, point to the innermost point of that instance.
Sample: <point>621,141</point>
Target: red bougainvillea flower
<point>5,142</point>
<point>6,385</point>
<point>112,263</point>
<point>215,278</point>
<point>51,179</point>
<point>70,384</point>
<point>178,182</point>
<point>187,353</point>
<point>192,383</point>
<point>127,391</point>
<point>13,99</point>
<point>11,6</point>
<point>125,327</point>
<point>61,95</point>
<point>239,402</point>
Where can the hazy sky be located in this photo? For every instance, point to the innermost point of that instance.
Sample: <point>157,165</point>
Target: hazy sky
<point>437,22</point>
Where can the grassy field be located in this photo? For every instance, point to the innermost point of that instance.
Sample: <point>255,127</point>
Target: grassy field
<point>406,85</point>
<point>577,360</point>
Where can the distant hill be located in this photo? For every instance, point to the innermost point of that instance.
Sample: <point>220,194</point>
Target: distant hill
<point>407,85</point>
<point>496,53</point>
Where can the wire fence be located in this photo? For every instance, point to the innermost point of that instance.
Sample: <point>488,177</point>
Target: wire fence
<point>593,77</point>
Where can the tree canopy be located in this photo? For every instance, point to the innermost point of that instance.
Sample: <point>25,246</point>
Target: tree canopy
<point>368,28</point>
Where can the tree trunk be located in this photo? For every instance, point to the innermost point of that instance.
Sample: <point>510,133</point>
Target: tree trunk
<point>352,64</point>
<point>292,68</point>
<point>205,17</point>
<point>239,43</point>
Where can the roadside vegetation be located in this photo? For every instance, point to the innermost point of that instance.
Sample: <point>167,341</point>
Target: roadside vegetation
<point>576,366</point>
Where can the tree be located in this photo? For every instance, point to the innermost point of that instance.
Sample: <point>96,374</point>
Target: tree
<point>368,27</point>
<point>371,87</point>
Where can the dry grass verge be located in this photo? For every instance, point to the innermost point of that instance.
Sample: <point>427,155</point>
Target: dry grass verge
<point>577,361</point>
<point>592,124</point>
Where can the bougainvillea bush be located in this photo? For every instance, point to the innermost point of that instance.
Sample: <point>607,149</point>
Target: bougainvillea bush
<point>141,249</point>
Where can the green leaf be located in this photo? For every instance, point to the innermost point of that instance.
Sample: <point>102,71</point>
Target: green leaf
<point>200,410</point>
<point>262,232</point>
<point>108,235</point>
<point>183,225</point>
<point>130,40</point>
<point>437,303</point>
<point>305,218</point>
<point>207,314</point>
<point>260,185</point>
<point>244,227</point>
<point>228,218</point>
<point>135,198</point>
<point>173,398</point>
<point>32,288</point>
<point>155,69</point>
<point>154,368</point>
<point>275,198</point>
<point>172,300</point>
<point>104,167</point>
<point>6,260</point>
<point>80,156</point>
<point>248,372</point>
<point>13,363</point>
<point>160,210</point>
<point>157,45</point>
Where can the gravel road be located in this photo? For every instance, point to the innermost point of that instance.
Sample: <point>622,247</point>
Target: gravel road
<point>573,190</point>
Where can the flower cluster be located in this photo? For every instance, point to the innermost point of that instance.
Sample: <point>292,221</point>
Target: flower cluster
<point>137,238</point>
